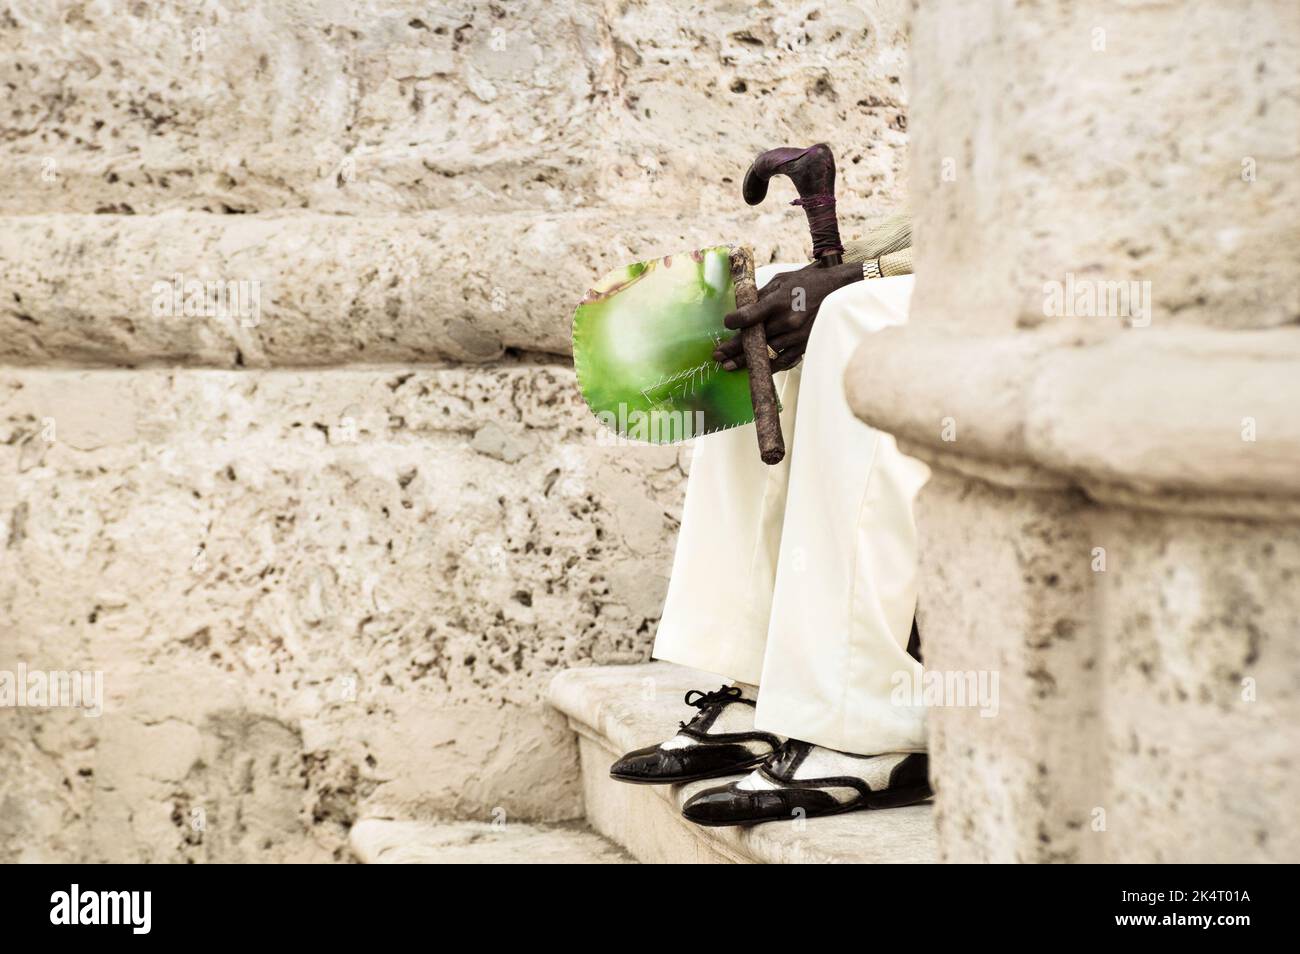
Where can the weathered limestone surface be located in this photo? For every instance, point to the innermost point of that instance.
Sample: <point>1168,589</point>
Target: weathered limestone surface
<point>1148,679</point>
<point>1189,418</point>
<point>432,183</point>
<point>1113,524</point>
<point>326,569</point>
<point>330,289</point>
<point>1202,743</point>
<point>390,842</point>
<point>310,594</point>
<point>1005,579</point>
<point>1147,141</point>
<point>405,106</point>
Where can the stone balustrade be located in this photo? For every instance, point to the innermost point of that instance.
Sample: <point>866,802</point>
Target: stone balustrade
<point>1113,524</point>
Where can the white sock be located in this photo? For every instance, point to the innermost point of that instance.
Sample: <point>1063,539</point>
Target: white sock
<point>826,763</point>
<point>732,718</point>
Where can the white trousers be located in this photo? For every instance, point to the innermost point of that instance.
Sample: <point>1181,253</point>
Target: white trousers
<point>801,578</point>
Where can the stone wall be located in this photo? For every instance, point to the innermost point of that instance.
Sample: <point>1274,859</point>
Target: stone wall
<point>1113,525</point>
<point>327,554</point>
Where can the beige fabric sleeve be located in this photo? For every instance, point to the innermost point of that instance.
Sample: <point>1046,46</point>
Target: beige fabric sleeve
<point>891,235</point>
<point>896,263</point>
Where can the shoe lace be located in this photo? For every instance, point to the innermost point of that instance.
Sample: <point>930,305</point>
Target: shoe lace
<point>703,700</point>
<point>785,755</point>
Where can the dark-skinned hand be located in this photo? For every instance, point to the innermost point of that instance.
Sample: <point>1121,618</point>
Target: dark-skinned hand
<point>787,306</point>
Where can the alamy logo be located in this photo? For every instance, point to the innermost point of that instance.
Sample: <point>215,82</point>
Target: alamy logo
<point>236,300</point>
<point>53,689</point>
<point>103,907</point>
<point>660,425</point>
<point>1096,298</point>
<point>919,688</point>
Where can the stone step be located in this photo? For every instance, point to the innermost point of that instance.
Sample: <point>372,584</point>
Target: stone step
<point>617,708</point>
<point>407,105</point>
<point>386,841</point>
<point>370,574</point>
<point>309,289</point>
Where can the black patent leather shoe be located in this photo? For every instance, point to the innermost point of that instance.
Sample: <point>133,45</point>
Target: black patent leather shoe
<point>773,792</point>
<point>696,753</point>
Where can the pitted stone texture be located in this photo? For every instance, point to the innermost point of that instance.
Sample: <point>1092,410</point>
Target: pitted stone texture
<point>1203,688</point>
<point>475,105</point>
<point>1148,683</point>
<point>317,592</point>
<point>1153,142</point>
<point>1004,582</point>
<point>388,842</point>
<point>423,183</point>
<point>1110,525</point>
<point>325,289</point>
<point>310,593</point>
<point>1193,419</point>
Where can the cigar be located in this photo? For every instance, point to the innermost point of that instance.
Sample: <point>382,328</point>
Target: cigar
<point>762,390</point>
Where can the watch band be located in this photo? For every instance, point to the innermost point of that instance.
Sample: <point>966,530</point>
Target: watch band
<point>871,268</point>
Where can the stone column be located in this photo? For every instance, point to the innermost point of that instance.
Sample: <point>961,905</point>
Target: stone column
<point>1103,369</point>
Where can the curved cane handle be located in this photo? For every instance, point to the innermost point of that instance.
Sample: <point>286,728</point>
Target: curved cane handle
<point>812,170</point>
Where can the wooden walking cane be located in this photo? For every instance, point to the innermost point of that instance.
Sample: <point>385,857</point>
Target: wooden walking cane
<point>762,389</point>
<point>812,170</point>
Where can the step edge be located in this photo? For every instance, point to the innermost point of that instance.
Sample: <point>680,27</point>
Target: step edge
<point>591,724</point>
